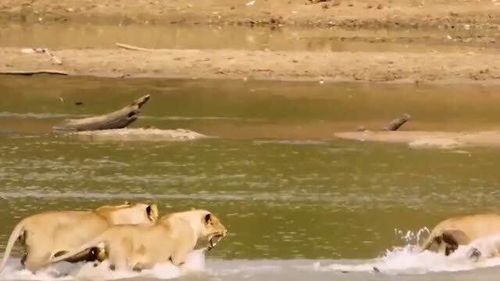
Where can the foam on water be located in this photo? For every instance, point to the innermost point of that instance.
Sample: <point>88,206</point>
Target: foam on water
<point>410,259</point>
<point>87,271</point>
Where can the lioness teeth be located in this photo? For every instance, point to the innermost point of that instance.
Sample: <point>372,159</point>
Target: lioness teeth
<point>213,241</point>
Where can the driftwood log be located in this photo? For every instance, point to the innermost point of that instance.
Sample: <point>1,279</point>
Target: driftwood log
<point>398,122</point>
<point>33,72</point>
<point>114,120</point>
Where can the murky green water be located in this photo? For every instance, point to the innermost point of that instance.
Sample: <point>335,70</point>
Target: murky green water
<point>283,185</point>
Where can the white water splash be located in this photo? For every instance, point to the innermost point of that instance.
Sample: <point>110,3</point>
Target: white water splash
<point>410,259</point>
<point>87,271</point>
<point>413,237</point>
<point>488,246</point>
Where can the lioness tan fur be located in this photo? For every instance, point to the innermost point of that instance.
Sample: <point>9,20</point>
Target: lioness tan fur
<point>140,247</point>
<point>56,232</point>
<point>449,234</point>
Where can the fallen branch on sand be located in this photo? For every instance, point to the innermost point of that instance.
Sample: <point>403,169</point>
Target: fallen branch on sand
<point>114,120</point>
<point>135,48</point>
<point>33,72</point>
<point>395,124</point>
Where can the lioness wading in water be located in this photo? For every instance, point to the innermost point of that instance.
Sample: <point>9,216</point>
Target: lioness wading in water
<point>449,234</point>
<point>170,239</point>
<point>54,233</point>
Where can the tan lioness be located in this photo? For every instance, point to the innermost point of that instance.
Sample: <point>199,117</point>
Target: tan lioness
<point>450,233</point>
<point>54,233</point>
<point>140,247</point>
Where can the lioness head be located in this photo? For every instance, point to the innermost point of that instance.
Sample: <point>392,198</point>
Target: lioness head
<point>138,213</point>
<point>448,241</point>
<point>212,229</point>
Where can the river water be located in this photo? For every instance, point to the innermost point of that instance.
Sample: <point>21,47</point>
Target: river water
<point>299,204</point>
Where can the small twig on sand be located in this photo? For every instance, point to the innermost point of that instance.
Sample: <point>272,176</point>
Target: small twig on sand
<point>53,58</point>
<point>398,122</point>
<point>135,48</point>
<point>33,72</point>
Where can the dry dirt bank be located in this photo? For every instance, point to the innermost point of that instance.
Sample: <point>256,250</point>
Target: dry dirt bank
<point>240,64</point>
<point>347,13</point>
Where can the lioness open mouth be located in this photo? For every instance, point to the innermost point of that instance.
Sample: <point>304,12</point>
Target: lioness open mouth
<point>214,240</point>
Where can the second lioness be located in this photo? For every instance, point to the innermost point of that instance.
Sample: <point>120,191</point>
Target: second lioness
<point>171,239</point>
<point>54,233</point>
<point>449,234</point>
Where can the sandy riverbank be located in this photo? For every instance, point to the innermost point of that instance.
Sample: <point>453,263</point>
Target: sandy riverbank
<point>282,65</point>
<point>459,45</point>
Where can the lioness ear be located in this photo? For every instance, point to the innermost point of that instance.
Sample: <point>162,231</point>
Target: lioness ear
<point>208,217</point>
<point>152,212</point>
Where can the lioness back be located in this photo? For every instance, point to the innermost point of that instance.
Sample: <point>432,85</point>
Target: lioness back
<point>54,233</point>
<point>449,234</point>
<point>172,238</point>
<point>474,226</point>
